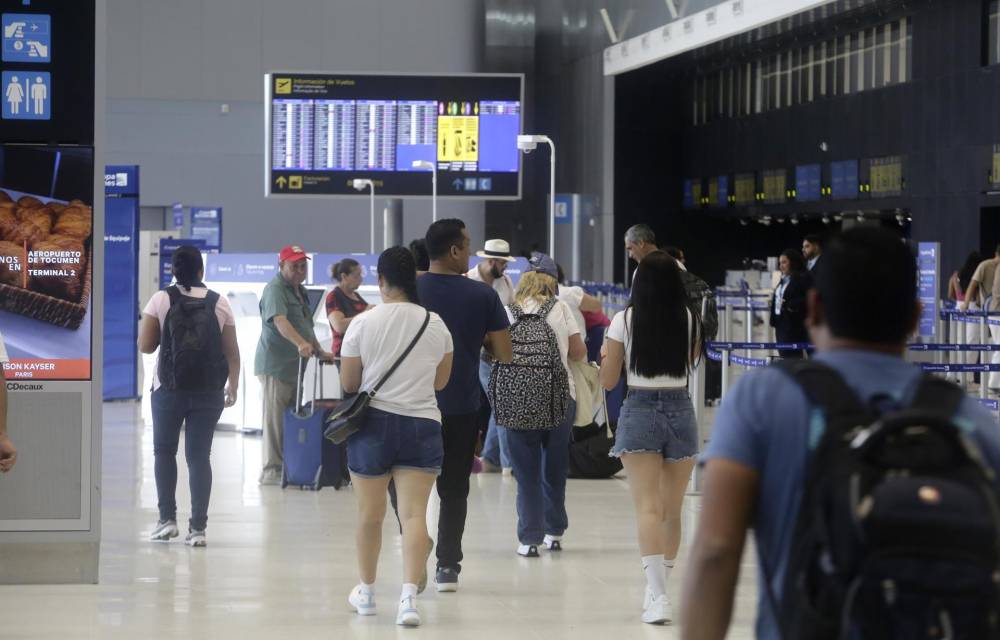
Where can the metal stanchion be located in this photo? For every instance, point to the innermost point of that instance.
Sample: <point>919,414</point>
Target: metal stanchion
<point>725,375</point>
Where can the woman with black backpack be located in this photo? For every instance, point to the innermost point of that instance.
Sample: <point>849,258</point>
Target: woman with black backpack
<point>534,398</point>
<point>196,376</point>
<point>655,339</point>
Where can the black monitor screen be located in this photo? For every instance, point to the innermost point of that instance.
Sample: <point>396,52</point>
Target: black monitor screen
<point>326,130</point>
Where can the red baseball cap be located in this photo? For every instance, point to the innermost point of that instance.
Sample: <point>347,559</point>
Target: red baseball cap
<point>292,253</point>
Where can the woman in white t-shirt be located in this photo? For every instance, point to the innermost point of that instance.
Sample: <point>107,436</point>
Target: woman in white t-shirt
<point>196,376</point>
<point>400,439</point>
<point>657,436</point>
<point>540,456</point>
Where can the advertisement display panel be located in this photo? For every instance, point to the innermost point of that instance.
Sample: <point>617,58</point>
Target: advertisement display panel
<point>46,259</point>
<point>121,284</point>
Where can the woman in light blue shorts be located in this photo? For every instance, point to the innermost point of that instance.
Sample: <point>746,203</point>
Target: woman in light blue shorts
<point>655,340</point>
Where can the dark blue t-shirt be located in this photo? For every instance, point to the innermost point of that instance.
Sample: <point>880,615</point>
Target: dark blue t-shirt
<point>470,310</point>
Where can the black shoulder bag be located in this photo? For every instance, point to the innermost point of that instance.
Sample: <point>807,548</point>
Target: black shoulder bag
<point>346,420</point>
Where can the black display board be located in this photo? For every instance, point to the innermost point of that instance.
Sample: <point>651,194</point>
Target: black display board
<point>325,130</point>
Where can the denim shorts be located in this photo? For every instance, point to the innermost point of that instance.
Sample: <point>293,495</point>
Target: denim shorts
<point>390,441</point>
<point>657,422</point>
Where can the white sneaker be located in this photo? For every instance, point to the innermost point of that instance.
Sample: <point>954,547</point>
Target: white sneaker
<point>408,616</point>
<point>164,531</point>
<point>270,478</point>
<point>553,543</point>
<point>196,538</point>
<point>362,601</point>
<point>659,611</point>
<point>647,598</point>
<point>527,551</point>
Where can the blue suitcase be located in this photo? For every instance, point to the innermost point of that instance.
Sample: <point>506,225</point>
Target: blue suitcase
<point>311,461</point>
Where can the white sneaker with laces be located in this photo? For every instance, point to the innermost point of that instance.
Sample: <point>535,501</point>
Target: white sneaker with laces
<point>362,601</point>
<point>553,543</point>
<point>408,616</point>
<point>659,611</point>
<point>164,531</point>
<point>647,598</point>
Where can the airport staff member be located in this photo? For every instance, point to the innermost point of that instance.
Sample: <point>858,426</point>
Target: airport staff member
<point>286,335</point>
<point>8,452</point>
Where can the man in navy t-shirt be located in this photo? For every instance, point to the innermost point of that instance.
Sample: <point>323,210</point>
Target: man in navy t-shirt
<point>476,318</point>
<point>756,462</point>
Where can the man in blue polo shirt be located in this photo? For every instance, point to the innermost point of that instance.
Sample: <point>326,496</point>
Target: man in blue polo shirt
<point>755,464</point>
<point>476,318</point>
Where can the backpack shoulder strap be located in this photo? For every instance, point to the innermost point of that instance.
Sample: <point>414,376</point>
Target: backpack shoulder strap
<point>212,299</point>
<point>547,307</point>
<point>516,311</point>
<point>174,294</point>
<point>828,391</point>
<point>936,395</point>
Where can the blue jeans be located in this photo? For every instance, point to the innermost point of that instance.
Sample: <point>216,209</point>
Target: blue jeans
<point>495,448</point>
<point>198,412</point>
<point>540,460</point>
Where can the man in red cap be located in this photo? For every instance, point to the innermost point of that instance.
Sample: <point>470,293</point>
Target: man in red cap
<point>286,335</point>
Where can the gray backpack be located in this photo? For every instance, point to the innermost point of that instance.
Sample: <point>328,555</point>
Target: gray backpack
<point>532,391</point>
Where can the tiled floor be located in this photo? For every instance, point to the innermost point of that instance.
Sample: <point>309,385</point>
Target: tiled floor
<point>280,564</point>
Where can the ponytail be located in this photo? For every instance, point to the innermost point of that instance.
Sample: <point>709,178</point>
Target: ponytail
<point>187,266</point>
<point>398,268</point>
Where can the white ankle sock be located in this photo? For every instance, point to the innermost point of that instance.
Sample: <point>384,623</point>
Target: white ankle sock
<point>653,567</point>
<point>668,567</point>
<point>409,591</point>
<point>368,588</point>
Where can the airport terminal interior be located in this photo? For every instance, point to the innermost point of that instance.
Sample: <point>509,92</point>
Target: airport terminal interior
<point>618,293</point>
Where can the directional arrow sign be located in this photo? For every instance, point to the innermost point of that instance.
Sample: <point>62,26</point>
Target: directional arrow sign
<point>281,182</point>
<point>457,184</point>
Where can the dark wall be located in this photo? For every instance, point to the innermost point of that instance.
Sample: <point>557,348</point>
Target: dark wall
<point>944,121</point>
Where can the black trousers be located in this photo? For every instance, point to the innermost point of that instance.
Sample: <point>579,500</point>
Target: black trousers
<point>460,433</point>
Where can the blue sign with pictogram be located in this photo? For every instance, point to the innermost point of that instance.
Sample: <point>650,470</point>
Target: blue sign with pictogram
<point>27,37</point>
<point>27,95</point>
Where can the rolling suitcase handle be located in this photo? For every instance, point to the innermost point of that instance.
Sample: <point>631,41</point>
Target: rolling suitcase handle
<point>317,389</point>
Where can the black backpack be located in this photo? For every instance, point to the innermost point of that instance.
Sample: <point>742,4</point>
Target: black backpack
<point>191,357</point>
<point>532,391</point>
<point>898,532</point>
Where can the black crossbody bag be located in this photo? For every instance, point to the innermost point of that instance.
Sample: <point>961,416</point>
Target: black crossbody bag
<point>346,420</point>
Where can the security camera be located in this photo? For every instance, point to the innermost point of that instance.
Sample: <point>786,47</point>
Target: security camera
<point>360,183</point>
<point>527,144</point>
<point>422,164</point>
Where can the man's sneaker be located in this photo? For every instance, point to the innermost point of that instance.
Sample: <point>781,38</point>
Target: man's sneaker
<point>489,467</point>
<point>362,601</point>
<point>528,551</point>
<point>196,538</point>
<point>408,616</point>
<point>553,543</point>
<point>659,611</point>
<point>164,531</point>
<point>423,576</point>
<point>447,580</point>
<point>270,478</point>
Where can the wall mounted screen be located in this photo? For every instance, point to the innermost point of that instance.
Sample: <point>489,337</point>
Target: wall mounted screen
<point>844,180</point>
<point>325,130</point>
<point>807,182</point>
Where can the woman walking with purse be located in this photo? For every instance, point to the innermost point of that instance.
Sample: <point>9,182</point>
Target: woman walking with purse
<point>655,339</point>
<point>400,354</point>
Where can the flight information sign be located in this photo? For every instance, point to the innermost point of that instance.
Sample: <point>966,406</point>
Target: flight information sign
<point>326,130</point>
<point>807,182</point>
<point>844,180</point>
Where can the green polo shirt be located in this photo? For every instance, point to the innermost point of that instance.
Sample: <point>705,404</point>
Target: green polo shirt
<point>276,356</point>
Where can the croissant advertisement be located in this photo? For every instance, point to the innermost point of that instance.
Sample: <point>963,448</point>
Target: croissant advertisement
<point>46,250</point>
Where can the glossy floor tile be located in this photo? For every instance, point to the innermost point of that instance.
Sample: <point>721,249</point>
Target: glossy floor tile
<point>280,564</point>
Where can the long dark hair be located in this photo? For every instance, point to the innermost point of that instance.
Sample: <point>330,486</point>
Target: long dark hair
<point>418,248</point>
<point>659,319</point>
<point>343,268</point>
<point>398,268</point>
<point>187,266</point>
<point>795,260</point>
<point>968,270</point>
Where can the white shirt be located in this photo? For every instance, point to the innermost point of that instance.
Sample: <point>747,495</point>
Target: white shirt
<point>617,332</point>
<point>3,351</point>
<point>812,262</point>
<point>159,305</point>
<point>573,296</point>
<point>379,336</point>
<point>562,323</point>
<point>779,294</point>
<point>504,286</point>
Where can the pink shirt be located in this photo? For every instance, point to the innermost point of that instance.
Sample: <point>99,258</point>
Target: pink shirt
<point>159,305</point>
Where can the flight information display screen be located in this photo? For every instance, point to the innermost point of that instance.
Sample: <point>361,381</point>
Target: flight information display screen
<point>326,130</point>
<point>807,182</point>
<point>844,180</point>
